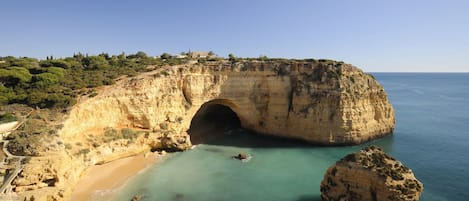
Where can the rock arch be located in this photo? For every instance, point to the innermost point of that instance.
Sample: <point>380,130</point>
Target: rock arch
<point>329,103</point>
<point>321,102</point>
<point>212,118</point>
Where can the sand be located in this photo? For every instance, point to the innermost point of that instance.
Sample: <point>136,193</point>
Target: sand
<point>109,176</point>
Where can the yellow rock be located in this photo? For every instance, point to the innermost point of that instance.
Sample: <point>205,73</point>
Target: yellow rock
<point>329,103</point>
<point>323,103</point>
<point>370,174</point>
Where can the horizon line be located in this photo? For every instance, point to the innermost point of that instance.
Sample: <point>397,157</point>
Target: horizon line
<point>429,72</point>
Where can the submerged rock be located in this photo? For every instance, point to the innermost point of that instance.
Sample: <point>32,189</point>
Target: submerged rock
<point>137,197</point>
<point>243,157</point>
<point>370,174</point>
<point>179,197</point>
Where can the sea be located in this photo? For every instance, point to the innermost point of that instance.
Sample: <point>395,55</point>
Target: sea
<point>431,137</point>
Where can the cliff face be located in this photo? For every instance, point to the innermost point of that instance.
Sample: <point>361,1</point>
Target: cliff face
<point>328,103</point>
<point>370,175</point>
<point>324,103</point>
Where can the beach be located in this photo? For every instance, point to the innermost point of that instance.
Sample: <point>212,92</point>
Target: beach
<point>101,180</point>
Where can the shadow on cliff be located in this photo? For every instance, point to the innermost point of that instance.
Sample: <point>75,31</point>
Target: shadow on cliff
<point>219,125</point>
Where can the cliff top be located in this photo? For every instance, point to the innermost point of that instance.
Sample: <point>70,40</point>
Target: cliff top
<point>56,82</point>
<point>375,159</point>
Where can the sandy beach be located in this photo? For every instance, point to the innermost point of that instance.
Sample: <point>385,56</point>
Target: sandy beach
<point>111,175</point>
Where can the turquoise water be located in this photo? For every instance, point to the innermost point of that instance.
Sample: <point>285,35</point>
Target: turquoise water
<point>431,137</point>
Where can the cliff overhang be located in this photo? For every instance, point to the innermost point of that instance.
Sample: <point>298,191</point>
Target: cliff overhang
<point>328,103</point>
<point>320,102</point>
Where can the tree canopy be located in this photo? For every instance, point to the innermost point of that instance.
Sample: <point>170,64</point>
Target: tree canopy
<point>56,82</point>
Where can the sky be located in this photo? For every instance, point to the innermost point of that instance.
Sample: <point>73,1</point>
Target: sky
<point>375,35</point>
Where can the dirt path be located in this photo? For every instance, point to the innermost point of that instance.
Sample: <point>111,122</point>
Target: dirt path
<point>6,187</point>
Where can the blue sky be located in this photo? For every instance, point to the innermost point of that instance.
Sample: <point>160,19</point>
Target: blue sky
<point>398,35</point>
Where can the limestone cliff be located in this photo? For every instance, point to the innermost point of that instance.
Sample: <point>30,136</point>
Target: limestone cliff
<point>370,174</point>
<point>321,102</point>
<point>329,103</point>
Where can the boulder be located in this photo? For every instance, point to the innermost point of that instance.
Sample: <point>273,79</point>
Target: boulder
<point>241,156</point>
<point>137,197</point>
<point>370,174</point>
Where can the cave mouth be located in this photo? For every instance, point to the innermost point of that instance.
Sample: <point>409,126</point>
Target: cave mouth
<point>211,121</point>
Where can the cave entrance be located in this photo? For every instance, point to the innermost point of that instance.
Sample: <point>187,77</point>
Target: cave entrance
<point>210,121</point>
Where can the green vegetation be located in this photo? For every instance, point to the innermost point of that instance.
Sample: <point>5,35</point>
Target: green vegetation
<point>33,138</point>
<point>166,55</point>
<point>83,151</point>
<point>263,58</point>
<point>232,58</point>
<point>111,134</point>
<point>55,83</point>
<point>7,117</point>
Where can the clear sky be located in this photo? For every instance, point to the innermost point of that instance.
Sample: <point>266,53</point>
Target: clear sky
<point>375,35</point>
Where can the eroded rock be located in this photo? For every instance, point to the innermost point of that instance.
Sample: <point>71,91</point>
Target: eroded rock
<point>321,102</point>
<point>241,156</point>
<point>370,174</point>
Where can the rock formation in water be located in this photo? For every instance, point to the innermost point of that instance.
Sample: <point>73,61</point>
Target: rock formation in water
<point>321,102</point>
<point>370,174</point>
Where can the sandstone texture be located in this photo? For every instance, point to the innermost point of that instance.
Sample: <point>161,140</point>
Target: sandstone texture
<point>370,174</point>
<point>328,103</point>
<point>321,102</point>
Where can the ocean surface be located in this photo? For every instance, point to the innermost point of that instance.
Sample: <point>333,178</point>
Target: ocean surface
<point>431,137</point>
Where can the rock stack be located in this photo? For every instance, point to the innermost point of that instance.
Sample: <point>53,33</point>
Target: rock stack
<point>370,174</point>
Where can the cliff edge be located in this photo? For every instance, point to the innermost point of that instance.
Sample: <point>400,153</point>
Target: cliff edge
<point>322,102</point>
<point>329,103</point>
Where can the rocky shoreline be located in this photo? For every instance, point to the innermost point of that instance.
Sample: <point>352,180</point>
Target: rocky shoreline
<point>320,102</point>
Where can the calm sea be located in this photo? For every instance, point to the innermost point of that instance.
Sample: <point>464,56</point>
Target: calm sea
<point>431,137</point>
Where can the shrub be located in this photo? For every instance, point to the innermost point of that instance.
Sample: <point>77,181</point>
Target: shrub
<point>128,133</point>
<point>59,72</point>
<point>232,58</point>
<point>83,151</point>
<point>14,76</point>
<point>165,73</point>
<point>44,80</point>
<point>201,60</point>
<point>165,56</point>
<point>164,126</point>
<point>110,132</point>
<point>93,94</point>
<point>7,117</point>
<point>95,62</point>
